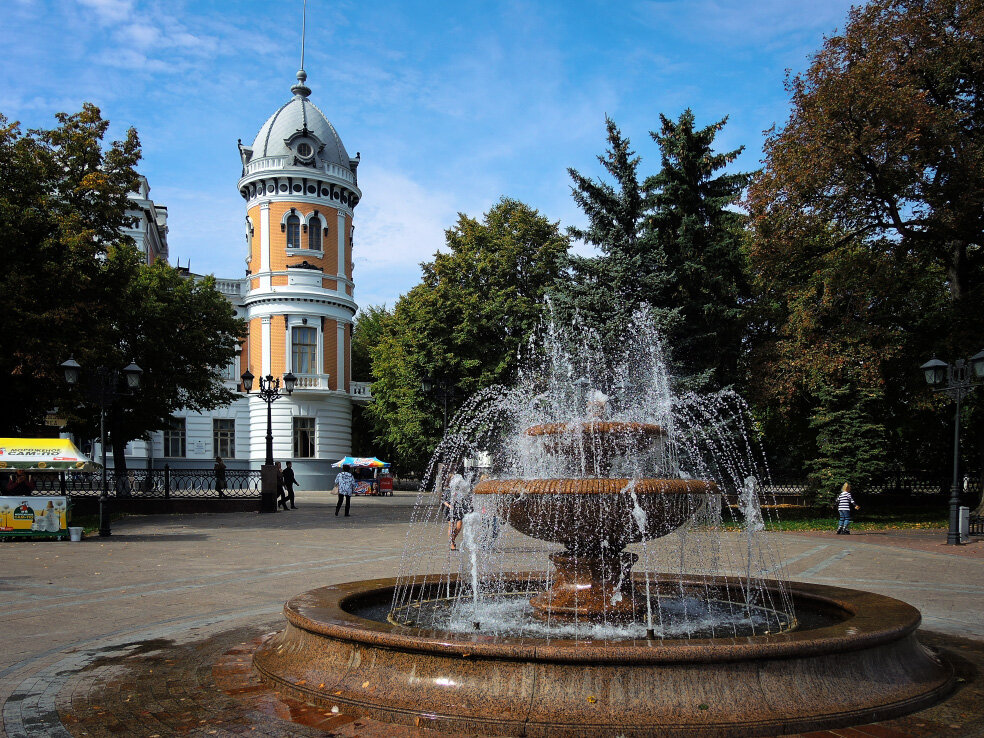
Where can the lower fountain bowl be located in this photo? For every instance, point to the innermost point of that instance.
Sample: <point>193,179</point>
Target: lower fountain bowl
<point>864,664</point>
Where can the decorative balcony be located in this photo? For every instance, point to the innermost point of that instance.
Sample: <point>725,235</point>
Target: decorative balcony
<point>312,382</point>
<point>361,392</point>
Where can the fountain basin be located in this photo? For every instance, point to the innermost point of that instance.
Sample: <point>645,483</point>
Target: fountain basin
<point>595,519</point>
<point>582,513</point>
<point>863,663</point>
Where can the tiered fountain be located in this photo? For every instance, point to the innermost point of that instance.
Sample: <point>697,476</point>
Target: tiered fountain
<point>691,633</point>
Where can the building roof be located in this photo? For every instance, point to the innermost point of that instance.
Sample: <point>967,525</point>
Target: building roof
<point>296,121</point>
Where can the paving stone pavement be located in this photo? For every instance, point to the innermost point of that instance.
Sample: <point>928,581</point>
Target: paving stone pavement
<point>148,633</point>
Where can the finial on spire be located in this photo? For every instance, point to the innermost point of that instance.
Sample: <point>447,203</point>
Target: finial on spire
<point>300,88</point>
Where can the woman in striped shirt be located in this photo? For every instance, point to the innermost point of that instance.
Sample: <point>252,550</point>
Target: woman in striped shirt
<point>844,504</point>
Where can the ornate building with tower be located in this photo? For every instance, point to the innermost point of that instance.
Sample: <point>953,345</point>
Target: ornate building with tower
<point>300,188</point>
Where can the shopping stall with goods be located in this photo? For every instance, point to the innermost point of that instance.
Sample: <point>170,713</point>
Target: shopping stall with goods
<point>372,476</point>
<point>27,464</point>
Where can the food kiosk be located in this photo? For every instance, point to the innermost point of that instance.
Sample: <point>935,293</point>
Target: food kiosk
<point>23,462</point>
<point>370,473</point>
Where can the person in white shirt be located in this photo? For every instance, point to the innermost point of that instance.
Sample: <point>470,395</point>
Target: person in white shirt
<point>344,486</point>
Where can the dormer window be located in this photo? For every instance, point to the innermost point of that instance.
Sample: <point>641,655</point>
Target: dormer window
<point>304,149</point>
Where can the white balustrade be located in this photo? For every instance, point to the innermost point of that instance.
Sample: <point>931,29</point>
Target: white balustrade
<point>361,389</point>
<point>312,381</point>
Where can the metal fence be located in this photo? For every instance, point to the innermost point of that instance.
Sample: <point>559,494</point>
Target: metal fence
<point>907,484</point>
<point>163,483</point>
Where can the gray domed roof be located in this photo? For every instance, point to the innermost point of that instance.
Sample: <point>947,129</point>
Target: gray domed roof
<point>296,121</point>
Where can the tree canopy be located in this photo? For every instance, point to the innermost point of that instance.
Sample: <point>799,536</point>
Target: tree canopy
<point>62,208</point>
<point>866,238</point>
<point>464,323</point>
<point>671,241</point>
<point>75,284</point>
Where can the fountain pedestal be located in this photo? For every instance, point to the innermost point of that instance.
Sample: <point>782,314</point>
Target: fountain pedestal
<point>590,587</point>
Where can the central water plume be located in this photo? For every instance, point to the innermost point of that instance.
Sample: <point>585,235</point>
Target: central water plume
<point>594,451</point>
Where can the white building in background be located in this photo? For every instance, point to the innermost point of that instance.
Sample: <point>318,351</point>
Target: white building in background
<point>300,189</point>
<point>149,229</point>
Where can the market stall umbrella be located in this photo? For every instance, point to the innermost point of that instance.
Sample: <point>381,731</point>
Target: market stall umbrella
<point>42,454</point>
<point>361,461</point>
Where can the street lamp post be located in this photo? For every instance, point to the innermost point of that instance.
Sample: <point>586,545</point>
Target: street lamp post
<point>442,391</point>
<point>269,392</point>
<point>961,378</point>
<point>102,385</point>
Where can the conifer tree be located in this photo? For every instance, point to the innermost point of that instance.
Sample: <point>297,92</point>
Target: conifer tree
<point>606,289</point>
<point>698,238</point>
<point>851,439</point>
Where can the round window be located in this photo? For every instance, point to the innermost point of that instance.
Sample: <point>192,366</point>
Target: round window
<point>304,149</point>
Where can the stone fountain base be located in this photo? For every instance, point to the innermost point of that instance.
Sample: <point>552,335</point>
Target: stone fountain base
<point>867,666</point>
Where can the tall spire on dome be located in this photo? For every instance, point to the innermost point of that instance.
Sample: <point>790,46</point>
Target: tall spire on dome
<point>300,88</point>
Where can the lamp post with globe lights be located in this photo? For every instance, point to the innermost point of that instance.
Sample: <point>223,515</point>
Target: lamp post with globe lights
<point>102,385</point>
<point>442,391</point>
<point>269,392</point>
<point>957,381</point>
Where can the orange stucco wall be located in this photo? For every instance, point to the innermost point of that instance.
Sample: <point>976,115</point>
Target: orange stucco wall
<point>254,241</point>
<point>331,352</point>
<point>255,351</point>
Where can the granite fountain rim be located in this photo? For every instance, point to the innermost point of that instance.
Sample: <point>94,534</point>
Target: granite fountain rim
<point>869,620</point>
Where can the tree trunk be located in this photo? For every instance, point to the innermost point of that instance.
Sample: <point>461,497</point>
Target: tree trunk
<point>957,271</point>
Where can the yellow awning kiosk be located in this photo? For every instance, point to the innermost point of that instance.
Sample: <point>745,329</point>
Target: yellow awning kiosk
<point>42,454</point>
<point>23,513</point>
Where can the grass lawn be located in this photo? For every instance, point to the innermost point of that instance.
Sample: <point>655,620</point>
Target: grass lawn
<point>790,517</point>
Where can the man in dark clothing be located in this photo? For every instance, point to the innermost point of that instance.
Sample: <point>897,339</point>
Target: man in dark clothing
<point>220,478</point>
<point>289,482</point>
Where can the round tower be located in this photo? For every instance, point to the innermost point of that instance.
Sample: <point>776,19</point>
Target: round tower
<point>300,188</point>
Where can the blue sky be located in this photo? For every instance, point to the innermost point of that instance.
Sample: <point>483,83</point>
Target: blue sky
<point>452,105</point>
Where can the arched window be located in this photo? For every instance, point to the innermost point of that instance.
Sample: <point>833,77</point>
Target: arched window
<point>314,234</point>
<point>293,232</point>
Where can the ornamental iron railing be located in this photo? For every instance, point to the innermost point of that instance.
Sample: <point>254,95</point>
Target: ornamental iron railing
<point>163,483</point>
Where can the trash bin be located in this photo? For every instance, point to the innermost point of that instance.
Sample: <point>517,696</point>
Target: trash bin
<point>75,534</point>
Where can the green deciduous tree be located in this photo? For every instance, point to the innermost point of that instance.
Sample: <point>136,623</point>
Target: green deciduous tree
<point>183,333</point>
<point>62,207</point>
<point>75,284</point>
<point>464,323</point>
<point>367,335</point>
<point>868,229</point>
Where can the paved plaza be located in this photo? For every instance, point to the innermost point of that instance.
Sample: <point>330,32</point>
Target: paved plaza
<point>148,633</point>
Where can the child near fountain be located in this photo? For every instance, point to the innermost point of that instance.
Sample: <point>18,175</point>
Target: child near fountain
<point>844,504</point>
<point>456,501</point>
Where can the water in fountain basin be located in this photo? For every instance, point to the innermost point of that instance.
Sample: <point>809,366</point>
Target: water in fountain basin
<point>566,382</point>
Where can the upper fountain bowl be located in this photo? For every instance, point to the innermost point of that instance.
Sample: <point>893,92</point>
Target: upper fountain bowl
<point>598,443</point>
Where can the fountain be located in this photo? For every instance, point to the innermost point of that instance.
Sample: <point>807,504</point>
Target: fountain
<point>546,623</point>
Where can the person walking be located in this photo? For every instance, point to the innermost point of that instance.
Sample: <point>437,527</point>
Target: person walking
<point>281,492</point>
<point>844,505</point>
<point>220,478</point>
<point>344,487</point>
<point>289,481</point>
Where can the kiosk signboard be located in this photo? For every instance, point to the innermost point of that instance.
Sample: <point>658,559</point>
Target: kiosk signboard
<point>35,514</point>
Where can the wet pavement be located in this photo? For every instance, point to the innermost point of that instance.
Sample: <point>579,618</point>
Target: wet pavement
<point>148,633</point>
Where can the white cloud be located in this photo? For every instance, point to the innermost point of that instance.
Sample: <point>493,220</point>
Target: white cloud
<point>400,222</point>
<point>110,11</point>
